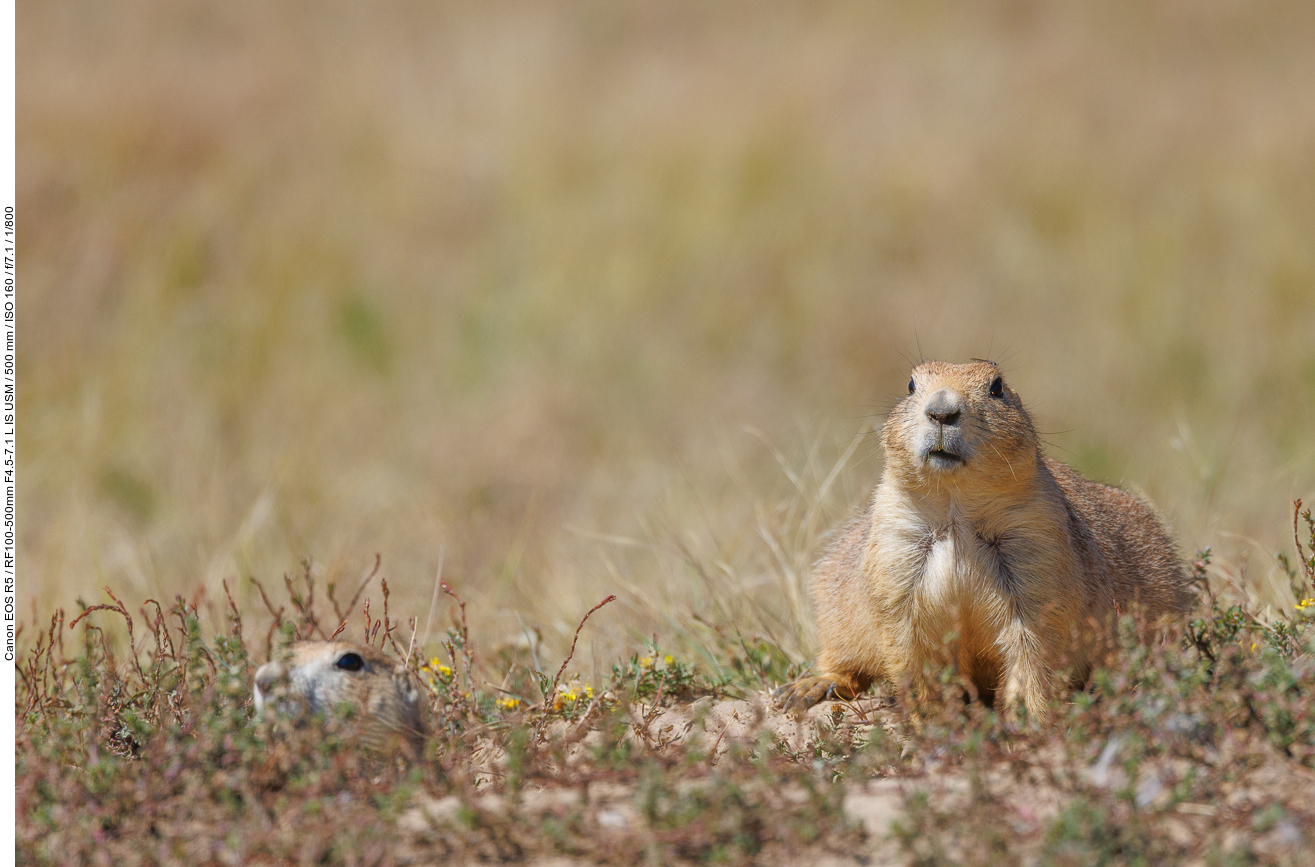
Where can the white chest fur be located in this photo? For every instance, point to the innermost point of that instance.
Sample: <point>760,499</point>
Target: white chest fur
<point>958,582</point>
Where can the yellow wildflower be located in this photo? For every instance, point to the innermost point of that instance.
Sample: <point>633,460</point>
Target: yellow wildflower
<point>667,660</point>
<point>509,703</point>
<point>443,671</point>
<point>570,693</point>
<point>646,661</point>
<point>1304,604</point>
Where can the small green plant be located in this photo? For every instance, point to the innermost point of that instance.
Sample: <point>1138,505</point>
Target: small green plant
<point>148,744</point>
<point>652,673</point>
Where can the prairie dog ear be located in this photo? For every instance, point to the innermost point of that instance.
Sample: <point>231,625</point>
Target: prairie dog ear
<point>405,684</point>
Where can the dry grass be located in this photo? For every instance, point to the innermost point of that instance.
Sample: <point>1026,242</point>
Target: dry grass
<point>1198,750</point>
<point>580,299</point>
<point>492,283</point>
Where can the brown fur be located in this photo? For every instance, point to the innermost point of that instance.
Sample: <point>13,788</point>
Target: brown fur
<point>975,536</point>
<point>382,693</point>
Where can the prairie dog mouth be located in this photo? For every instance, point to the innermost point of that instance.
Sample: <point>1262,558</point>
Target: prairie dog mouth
<point>940,459</point>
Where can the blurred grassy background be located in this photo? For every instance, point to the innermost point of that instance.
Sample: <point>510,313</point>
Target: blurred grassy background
<point>511,282</point>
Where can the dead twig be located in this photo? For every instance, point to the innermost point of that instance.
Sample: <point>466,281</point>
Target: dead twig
<point>552,691</point>
<point>467,655</point>
<point>378,560</point>
<point>121,609</point>
<point>278,618</point>
<point>389,626</point>
<point>236,615</point>
<point>1307,568</point>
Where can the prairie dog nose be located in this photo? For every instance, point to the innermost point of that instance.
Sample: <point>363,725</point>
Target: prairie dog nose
<point>944,406</point>
<point>266,676</point>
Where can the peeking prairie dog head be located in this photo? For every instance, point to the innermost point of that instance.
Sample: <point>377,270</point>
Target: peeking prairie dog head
<point>961,424</point>
<point>323,677</point>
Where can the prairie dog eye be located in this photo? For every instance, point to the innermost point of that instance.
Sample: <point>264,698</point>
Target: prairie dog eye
<point>911,385</point>
<point>997,387</point>
<point>350,662</point>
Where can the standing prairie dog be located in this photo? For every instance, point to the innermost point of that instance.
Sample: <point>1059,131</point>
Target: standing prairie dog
<point>979,552</point>
<point>324,676</point>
